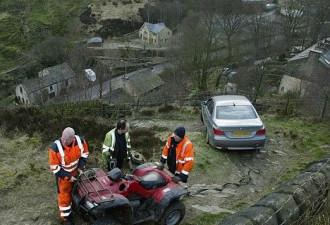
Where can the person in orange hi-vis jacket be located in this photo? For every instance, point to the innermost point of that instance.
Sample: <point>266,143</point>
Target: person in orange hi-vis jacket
<point>179,154</point>
<point>67,159</point>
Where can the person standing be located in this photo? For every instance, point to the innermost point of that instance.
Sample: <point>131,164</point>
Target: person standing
<point>117,145</point>
<point>179,154</point>
<point>67,159</point>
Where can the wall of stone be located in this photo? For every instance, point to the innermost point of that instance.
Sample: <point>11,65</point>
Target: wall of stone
<point>292,202</point>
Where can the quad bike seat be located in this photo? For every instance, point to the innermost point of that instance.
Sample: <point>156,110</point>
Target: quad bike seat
<point>115,174</point>
<point>152,180</point>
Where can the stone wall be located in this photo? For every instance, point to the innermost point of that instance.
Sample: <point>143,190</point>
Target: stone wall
<point>292,202</point>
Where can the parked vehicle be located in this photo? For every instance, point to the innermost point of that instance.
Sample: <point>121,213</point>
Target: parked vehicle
<point>115,198</point>
<point>232,123</point>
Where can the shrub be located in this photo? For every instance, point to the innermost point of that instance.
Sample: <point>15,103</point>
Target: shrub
<point>147,112</point>
<point>166,108</point>
<point>125,2</point>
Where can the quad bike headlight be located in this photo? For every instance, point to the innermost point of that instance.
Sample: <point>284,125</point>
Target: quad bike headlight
<point>90,205</point>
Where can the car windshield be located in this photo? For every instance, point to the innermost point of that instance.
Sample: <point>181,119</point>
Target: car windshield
<point>237,112</point>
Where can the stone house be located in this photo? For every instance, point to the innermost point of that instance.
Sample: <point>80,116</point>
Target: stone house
<point>50,82</point>
<point>308,71</point>
<point>155,34</point>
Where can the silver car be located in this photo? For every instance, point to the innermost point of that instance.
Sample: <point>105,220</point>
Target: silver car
<point>232,123</point>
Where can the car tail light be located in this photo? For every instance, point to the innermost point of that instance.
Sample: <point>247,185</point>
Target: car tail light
<point>261,132</point>
<point>218,132</point>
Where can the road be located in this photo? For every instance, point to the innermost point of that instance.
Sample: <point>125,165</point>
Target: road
<point>93,92</point>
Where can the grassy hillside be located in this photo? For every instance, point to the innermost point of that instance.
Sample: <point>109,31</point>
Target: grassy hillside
<point>27,187</point>
<point>25,23</point>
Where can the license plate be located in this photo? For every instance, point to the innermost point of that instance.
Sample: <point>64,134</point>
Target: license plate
<point>241,133</point>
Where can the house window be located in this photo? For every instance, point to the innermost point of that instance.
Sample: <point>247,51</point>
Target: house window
<point>21,90</point>
<point>51,88</point>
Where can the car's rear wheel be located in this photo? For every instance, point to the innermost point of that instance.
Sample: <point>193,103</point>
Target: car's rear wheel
<point>107,221</point>
<point>173,214</point>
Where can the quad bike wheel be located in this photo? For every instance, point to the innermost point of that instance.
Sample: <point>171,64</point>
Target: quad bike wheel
<point>107,221</point>
<point>137,158</point>
<point>173,214</point>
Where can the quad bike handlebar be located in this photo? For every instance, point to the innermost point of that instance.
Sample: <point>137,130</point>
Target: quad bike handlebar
<point>172,175</point>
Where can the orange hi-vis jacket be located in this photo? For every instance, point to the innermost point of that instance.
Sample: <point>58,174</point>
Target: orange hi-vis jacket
<point>184,155</point>
<point>64,160</point>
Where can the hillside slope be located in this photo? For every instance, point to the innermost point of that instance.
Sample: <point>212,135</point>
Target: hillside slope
<point>26,23</point>
<point>220,183</point>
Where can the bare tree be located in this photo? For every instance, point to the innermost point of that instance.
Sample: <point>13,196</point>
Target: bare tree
<point>321,10</point>
<point>199,44</point>
<point>260,30</point>
<point>231,16</point>
<point>169,12</point>
<point>80,59</point>
<point>292,19</point>
<point>52,51</point>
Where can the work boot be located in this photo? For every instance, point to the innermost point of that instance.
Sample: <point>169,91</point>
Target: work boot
<point>68,222</point>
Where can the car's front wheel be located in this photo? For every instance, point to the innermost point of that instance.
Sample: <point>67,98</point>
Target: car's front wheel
<point>173,214</point>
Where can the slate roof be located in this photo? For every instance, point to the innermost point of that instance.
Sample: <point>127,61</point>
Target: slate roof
<point>311,63</point>
<point>144,81</point>
<point>54,75</point>
<point>302,55</point>
<point>139,82</point>
<point>155,28</point>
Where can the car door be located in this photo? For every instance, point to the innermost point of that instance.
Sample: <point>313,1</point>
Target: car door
<point>209,111</point>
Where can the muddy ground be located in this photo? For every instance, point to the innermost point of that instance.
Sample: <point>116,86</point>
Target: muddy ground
<point>221,181</point>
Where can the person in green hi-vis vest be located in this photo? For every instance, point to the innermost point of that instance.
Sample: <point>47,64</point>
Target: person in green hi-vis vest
<point>116,146</point>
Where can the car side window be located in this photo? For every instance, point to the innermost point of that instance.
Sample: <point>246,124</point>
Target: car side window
<point>210,106</point>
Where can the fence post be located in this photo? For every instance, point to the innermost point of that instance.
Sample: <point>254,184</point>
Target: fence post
<point>324,107</point>
<point>103,110</point>
<point>137,104</point>
<point>287,105</point>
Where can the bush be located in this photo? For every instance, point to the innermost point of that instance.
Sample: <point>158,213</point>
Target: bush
<point>125,2</point>
<point>147,112</point>
<point>166,108</point>
<point>10,52</point>
<point>145,139</point>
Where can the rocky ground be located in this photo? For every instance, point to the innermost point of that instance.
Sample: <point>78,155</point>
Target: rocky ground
<point>221,181</point>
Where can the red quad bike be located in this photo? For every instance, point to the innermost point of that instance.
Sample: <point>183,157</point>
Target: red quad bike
<point>114,198</point>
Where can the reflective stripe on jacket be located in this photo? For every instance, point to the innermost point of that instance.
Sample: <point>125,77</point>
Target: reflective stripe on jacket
<point>110,141</point>
<point>67,157</point>
<point>184,155</point>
